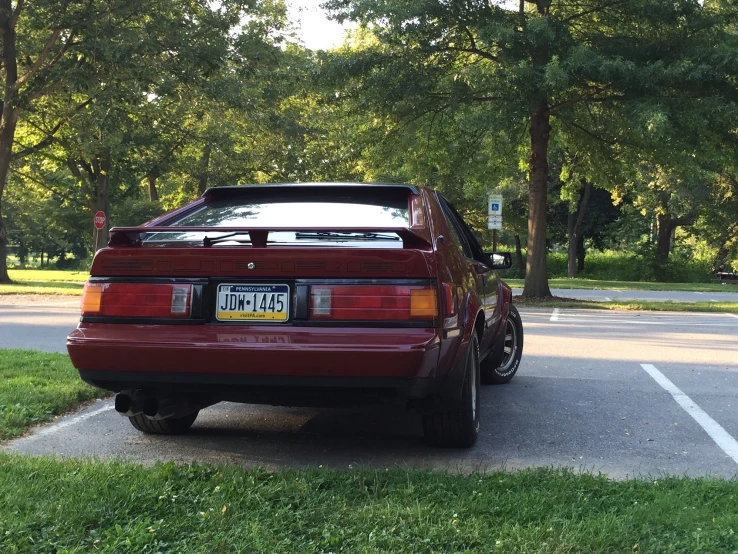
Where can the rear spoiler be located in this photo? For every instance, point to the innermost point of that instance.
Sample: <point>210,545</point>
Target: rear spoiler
<point>131,236</point>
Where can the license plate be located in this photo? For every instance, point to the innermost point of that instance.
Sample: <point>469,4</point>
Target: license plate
<point>253,303</point>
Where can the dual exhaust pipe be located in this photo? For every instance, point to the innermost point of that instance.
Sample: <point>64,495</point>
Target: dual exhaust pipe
<point>130,405</point>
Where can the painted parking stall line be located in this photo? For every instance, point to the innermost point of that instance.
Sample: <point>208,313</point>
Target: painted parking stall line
<point>716,431</point>
<point>56,427</point>
<point>555,315</point>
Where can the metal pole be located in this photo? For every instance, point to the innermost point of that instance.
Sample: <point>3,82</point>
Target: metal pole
<point>494,240</point>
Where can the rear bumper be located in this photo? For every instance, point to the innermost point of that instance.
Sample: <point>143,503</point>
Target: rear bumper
<point>216,357</point>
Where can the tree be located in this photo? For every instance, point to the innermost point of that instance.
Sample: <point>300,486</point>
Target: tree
<point>613,73</point>
<point>42,55</point>
<point>108,90</point>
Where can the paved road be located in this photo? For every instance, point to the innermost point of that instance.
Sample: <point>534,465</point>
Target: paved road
<point>37,326</point>
<point>650,295</point>
<point>581,399</point>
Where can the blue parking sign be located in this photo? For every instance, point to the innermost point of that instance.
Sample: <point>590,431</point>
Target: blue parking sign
<point>495,207</point>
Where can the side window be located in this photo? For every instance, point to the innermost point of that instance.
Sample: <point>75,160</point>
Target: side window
<point>472,248</point>
<point>456,230</point>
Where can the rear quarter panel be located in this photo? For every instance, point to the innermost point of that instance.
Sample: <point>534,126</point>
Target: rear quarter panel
<point>451,268</point>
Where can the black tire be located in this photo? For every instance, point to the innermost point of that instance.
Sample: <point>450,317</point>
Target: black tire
<point>455,424</point>
<point>498,373</point>
<point>169,426</point>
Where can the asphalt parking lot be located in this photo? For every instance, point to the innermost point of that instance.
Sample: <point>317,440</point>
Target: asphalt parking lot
<point>623,393</point>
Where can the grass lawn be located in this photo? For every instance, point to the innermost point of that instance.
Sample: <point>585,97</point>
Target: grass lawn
<point>590,284</point>
<point>52,275</point>
<point>45,281</point>
<point>53,505</point>
<point>558,302</point>
<point>36,386</point>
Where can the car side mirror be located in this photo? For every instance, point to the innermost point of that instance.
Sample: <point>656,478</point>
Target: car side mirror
<point>499,260</point>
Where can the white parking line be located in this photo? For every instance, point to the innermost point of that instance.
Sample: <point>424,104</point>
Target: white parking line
<point>731,315</point>
<point>555,315</point>
<point>53,428</point>
<point>584,320</point>
<point>717,433</point>
<point>607,299</point>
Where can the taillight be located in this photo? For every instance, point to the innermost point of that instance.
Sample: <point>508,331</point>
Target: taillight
<point>136,300</point>
<point>449,299</point>
<point>373,302</point>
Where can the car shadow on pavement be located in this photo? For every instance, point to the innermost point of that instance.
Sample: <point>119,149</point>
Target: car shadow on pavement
<point>377,436</point>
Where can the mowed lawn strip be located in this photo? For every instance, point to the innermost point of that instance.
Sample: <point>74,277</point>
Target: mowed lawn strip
<point>45,281</point>
<point>557,302</point>
<point>53,505</point>
<point>36,386</point>
<point>591,284</point>
<point>53,275</point>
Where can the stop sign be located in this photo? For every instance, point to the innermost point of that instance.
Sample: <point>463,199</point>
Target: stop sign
<point>100,220</point>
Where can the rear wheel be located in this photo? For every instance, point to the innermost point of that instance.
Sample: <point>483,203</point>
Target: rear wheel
<point>512,351</point>
<point>169,426</point>
<point>455,424</point>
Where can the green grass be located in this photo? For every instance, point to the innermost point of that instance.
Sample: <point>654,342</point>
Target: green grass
<point>558,302</point>
<point>51,275</point>
<point>42,287</point>
<point>53,505</point>
<point>45,281</point>
<point>590,284</point>
<point>36,386</point>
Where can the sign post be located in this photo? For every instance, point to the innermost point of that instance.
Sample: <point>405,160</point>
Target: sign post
<point>494,217</point>
<point>100,220</point>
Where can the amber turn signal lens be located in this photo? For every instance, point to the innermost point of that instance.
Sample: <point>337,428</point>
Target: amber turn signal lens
<point>92,298</point>
<point>423,303</point>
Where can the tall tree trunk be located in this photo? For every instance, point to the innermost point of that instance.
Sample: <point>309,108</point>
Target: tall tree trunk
<point>153,193</point>
<point>536,270</point>
<point>571,220</point>
<point>101,172</point>
<point>4,277</point>
<point>202,184</point>
<point>100,236</point>
<point>95,185</point>
<point>575,229</point>
<point>519,257</point>
<point>665,229</point>
<point>581,253</point>
<point>9,118</point>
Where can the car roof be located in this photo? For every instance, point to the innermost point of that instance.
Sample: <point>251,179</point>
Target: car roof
<point>316,187</point>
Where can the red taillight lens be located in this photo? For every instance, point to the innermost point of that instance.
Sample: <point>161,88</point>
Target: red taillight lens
<point>373,302</point>
<point>449,299</point>
<point>136,300</point>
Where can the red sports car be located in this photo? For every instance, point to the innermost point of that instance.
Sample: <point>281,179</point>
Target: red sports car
<point>299,295</point>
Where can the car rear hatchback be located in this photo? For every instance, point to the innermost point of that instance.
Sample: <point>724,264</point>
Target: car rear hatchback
<point>306,294</point>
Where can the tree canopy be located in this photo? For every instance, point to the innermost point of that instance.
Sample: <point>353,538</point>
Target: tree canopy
<point>604,123</point>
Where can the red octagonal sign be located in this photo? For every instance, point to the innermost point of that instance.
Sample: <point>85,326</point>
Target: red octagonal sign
<point>100,220</point>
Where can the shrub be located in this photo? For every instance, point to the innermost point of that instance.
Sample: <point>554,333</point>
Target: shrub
<point>628,266</point>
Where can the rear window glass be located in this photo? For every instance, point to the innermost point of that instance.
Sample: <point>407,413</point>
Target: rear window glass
<point>301,214</point>
<point>333,215</point>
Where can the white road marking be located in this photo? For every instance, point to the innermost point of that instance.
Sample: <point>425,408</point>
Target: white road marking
<point>607,299</point>
<point>555,315</point>
<point>713,300</point>
<point>53,428</point>
<point>697,292</point>
<point>731,315</point>
<point>717,433</point>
